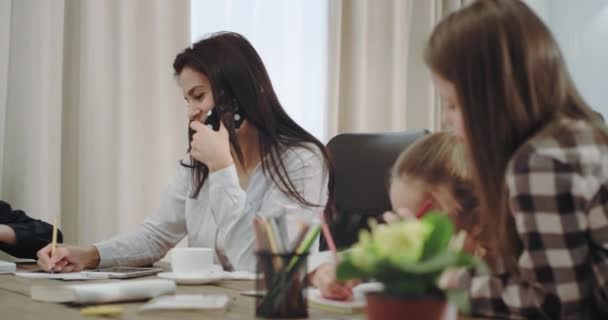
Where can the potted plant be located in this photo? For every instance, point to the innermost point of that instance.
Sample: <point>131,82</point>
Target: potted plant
<point>409,257</point>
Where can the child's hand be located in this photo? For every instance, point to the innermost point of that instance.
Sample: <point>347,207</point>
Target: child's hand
<point>398,215</point>
<point>324,278</point>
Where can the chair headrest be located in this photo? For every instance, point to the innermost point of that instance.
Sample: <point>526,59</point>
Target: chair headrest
<point>362,163</point>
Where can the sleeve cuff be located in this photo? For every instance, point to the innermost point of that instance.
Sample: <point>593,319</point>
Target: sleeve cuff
<point>105,255</point>
<point>224,178</point>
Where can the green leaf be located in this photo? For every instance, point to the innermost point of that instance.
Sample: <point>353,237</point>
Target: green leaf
<point>441,234</point>
<point>437,263</point>
<point>346,270</point>
<point>460,299</point>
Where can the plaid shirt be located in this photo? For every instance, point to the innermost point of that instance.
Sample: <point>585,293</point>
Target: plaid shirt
<point>558,194</point>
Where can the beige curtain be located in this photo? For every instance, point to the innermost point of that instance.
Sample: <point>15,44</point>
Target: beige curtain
<point>377,77</point>
<point>442,8</point>
<point>5,27</point>
<point>92,122</point>
<point>369,50</point>
<point>445,7</point>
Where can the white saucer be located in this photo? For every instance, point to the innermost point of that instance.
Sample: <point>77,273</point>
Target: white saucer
<point>195,278</point>
<point>211,275</point>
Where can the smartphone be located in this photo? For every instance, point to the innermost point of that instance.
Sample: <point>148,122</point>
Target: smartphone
<point>121,272</point>
<point>231,110</point>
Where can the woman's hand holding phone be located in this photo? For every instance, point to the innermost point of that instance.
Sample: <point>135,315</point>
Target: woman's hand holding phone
<point>211,147</point>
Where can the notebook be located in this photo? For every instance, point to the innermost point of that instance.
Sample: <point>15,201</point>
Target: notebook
<point>95,293</point>
<point>7,267</point>
<point>355,305</point>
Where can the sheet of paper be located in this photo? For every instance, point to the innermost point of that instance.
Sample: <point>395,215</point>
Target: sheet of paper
<point>55,276</point>
<point>187,302</point>
<point>357,304</point>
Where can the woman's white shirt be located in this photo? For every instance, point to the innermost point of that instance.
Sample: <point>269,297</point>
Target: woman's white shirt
<point>221,217</point>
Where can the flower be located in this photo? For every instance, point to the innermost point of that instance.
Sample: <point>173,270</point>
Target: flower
<point>362,253</point>
<point>401,242</point>
<point>411,258</point>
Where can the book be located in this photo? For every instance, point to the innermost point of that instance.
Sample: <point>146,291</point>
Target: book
<point>356,305</point>
<point>95,293</point>
<point>7,267</point>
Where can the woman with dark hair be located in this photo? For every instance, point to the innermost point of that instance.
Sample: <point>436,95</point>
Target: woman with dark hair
<point>247,157</point>
<point>540,163</point>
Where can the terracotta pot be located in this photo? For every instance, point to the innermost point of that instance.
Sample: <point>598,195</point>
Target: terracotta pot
<point>386,307</point>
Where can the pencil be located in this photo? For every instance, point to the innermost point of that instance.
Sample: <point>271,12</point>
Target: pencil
<point>54,239</point>
<point>312,234</point>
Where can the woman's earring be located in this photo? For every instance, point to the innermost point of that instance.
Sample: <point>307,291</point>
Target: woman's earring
<point>237,114</point>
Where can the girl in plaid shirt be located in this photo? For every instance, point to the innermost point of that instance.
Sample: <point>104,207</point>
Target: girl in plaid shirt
<point>540,161</point>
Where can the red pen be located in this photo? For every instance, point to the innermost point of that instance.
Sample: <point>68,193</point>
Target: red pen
<point>426,206</point>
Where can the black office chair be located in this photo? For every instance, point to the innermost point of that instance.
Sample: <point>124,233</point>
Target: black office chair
<point>362,163</point>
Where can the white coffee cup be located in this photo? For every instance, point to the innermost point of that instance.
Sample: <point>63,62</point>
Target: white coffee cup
<point>191,260</point>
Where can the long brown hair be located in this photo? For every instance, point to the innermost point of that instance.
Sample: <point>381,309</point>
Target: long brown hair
<point>438,162</point>
<point>511,80</point>
<point>236,71</point>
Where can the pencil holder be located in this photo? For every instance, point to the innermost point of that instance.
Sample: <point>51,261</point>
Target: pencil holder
<point>280,285</point>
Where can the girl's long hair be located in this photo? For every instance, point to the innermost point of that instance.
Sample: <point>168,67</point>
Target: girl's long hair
<point>438,162</point>
<point>511,81</point>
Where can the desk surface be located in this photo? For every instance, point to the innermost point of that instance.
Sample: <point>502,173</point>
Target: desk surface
<point>15,303</point>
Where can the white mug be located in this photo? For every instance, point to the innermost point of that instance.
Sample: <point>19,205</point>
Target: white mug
<point>191,260</point>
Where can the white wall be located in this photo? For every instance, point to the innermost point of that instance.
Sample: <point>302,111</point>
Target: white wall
<point>581,29</point>
<point>541,7</point>
<point>290,37</point>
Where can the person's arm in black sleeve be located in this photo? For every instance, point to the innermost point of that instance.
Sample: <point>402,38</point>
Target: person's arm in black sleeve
<point>30,235</point>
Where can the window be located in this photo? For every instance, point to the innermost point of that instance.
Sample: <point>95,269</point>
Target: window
<point>291,38</point>
<point>581,29</point>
